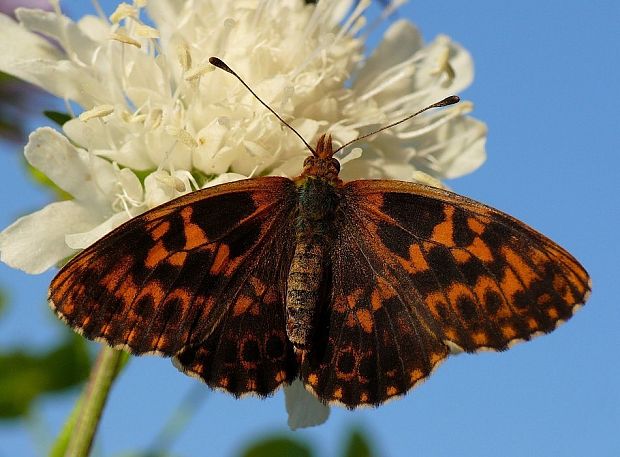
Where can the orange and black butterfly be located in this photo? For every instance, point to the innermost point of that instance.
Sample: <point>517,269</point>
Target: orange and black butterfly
<point>360,288</point>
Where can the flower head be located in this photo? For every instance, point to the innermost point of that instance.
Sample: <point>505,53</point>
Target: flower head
<point>154,120</point>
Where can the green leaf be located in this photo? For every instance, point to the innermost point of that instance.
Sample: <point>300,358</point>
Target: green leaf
<point>277,446</point>
<point>58,117</point>
<point>143,174</point>
<point>358,446</point>
<point>202,178</point>
<point>24,376</point>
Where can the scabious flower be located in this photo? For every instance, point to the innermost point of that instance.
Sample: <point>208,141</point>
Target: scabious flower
<point>17,99</point>
<point>152,119</point>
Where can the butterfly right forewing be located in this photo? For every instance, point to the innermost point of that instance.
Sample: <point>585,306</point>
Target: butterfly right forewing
<point>488,279</point>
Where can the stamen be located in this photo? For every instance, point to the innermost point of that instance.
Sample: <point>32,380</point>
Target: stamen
<point>96,112</point>
<point>146,31</point>
<point>198,72</point>
<point>98,9</point>
<point>259,12</point>
<point>391,8</point>
<point>229,24</point>
<point>119,36</point>
<point>390,76</point>
<point>443,65</point>
<point>315,19</point>
<point>185,57</point>
<point>358,25</point>
<point>123,11</point>
<point>354,153</point>
<point>353,17</point>
<point>425,178</point>
<point>389,82</point>
<point>402,105</point>
<point>182,135</point>
<point>387,11</point>
<point>154,118</point>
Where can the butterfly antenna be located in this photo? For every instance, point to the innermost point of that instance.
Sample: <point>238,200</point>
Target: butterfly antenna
<point>451,100</point>
<point>221,65</point>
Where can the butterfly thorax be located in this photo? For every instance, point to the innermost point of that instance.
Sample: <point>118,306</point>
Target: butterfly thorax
<point>317,191</point>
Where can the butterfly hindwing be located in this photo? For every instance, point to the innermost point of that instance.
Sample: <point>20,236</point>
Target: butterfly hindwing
<point>368,345</point>
<point>418,271</point>
<point>165,279</point>
<point>249,351</point>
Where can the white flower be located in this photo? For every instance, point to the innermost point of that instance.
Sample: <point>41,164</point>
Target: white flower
<point>302,407</point>
<point>153,107</point>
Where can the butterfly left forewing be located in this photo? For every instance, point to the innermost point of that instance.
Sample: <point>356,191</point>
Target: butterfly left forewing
<point>164,280</point>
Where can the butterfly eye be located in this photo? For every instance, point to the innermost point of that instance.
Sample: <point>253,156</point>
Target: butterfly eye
<point>308,161</point>
<point>336,164</point>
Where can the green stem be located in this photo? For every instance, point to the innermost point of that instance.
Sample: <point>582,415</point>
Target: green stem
<point>93,401</point>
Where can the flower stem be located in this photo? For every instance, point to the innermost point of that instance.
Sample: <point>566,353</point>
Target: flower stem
<point>106,368</point>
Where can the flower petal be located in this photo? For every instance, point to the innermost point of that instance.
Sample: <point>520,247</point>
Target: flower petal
<point>82,240</point>
<point>86,177</point>
<point>224,178</point>
<point>18,44</point>
<point>462,148</point>
<point>29,57</point>
<point>125,143</point>
<point>36,242</point>
<point>162,186</point>
<point>8,6</point>
<point>401,40</point>
<point>303,408</point>
<point>62,29</point>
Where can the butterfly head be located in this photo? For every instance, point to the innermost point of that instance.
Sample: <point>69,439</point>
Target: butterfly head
<point>322,164</point>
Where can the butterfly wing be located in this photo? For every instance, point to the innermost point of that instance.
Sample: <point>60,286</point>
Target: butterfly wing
<point>417,272</point>
<point>166,279</point>
<point>248,350</point>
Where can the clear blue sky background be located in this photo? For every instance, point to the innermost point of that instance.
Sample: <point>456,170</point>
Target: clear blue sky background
<point>546,84</point>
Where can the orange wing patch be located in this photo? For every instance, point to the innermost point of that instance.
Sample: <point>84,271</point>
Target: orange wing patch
<point>416,272</point>
<point>472,275</point>
<point>145,285</point>
<point>374,347</point>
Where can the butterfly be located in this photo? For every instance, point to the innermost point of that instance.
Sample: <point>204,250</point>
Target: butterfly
<point>360,289</point>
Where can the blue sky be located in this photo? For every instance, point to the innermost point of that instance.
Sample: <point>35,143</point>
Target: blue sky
<point>546,85</point>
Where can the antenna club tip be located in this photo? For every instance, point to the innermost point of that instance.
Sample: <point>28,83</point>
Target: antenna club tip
<point>219,63</point>
<point>451,100</point>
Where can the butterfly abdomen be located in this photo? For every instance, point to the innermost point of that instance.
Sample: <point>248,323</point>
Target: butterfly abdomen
<point>303,291</point>
<point>318,200</point>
